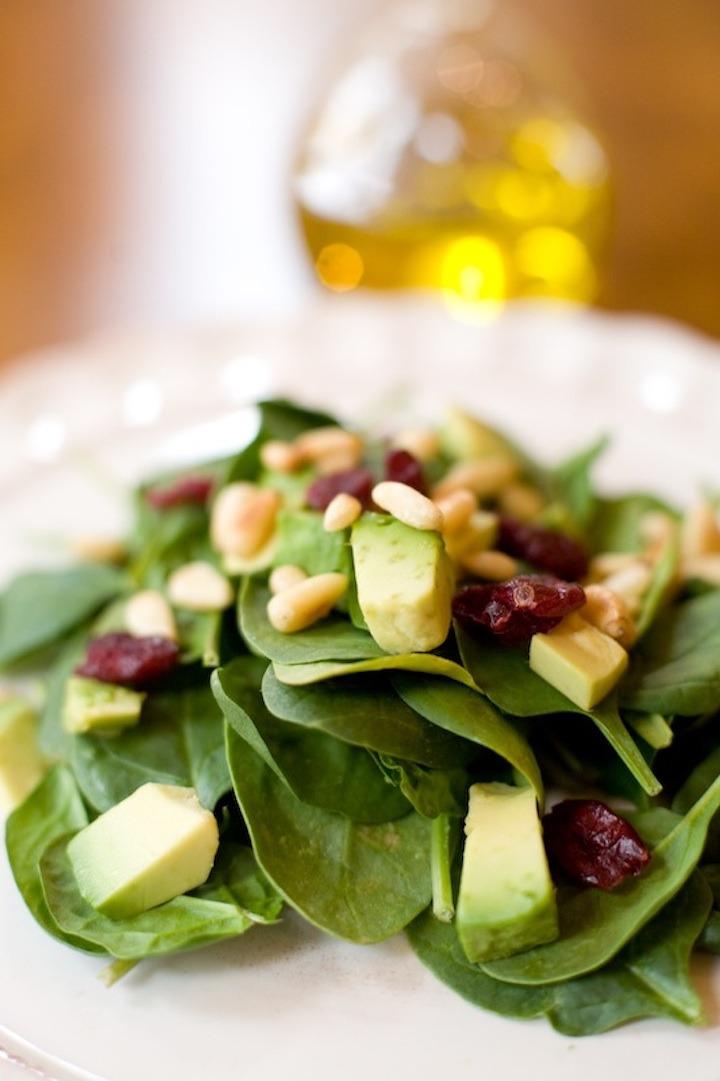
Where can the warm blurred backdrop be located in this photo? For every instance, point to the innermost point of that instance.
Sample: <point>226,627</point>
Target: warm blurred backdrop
<point>146,145</point>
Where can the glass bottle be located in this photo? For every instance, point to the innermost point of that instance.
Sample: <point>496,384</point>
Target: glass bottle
<point>450,154</point>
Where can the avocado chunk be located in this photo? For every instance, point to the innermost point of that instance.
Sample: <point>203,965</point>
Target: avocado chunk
<point>404,581</point>
<point>21,763</point>
<point>464,437</point>
<point>104,709</point>
<point>579,660</point>
<point>506,900</point>
<point>154,845</point>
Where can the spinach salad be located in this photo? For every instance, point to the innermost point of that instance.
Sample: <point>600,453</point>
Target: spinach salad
<point>368,658</point>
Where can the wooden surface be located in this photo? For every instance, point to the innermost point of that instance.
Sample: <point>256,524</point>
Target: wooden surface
<point>74,259</point>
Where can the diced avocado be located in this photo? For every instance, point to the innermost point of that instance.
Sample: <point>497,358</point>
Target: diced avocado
<point>154,845</point>
<point>103,708</point>
<point>579,660</point>
<point>463,436</point>
<point>404,583</point>
<point>506,901</point>
<point>21,763</point>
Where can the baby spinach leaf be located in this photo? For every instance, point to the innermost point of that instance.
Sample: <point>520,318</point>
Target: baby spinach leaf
<point>573,485</point>
<point>236,879</point>
<point>505,677</point>
<point>317,768</point>
<point>180,740</point>
<point>184,923</point>
<point>333,638</point>
<point>41,608</point>
<point>51,811</point>
<point>278,419</point>
<point>675,668</point>
<point>664,574</point>
<point>617,525</point>
<point>297,675</point>
<point>594,926</point>
<point>366,711</point>
<point>359,882</point>
<point>467,713</point>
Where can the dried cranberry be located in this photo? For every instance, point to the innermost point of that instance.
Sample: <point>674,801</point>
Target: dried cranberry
<point>191,489</point>
<point>546,549</point>
<point>592,844</point>
<point>517,609</point>
<point>401,465</point>
<point>131,661</point>
<point>357,482</point>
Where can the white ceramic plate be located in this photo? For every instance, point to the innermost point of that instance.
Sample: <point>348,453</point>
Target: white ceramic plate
<point>77,424</point>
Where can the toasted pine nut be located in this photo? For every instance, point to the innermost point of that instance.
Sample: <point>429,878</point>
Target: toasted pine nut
<point>492,565</point>
<point>700,533</point>
<point>521,501</point>
<point>456,508</point>
<point>408,505</point>
<point>342,510</point>
<point>658,531</point>
<point>479,534</point>
<point>320,443</point>
<point>336,461</point>
<point>284,576</point>
<point>486,477</point>
<point>98,549</point>
<point>706,567</point>
<point>630,583</point>
<point>243,518</point>
<point>147,613</point>
<point>609,612</point>
<point>606,563</point>
<point>301,605</point>
<point>281,457</point>
<point>422,443</point>
<point>200,587</point>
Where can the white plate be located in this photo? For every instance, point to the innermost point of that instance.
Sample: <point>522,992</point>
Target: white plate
<point>290,1002</point>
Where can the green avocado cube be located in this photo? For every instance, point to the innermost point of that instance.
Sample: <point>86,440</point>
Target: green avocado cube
<point>506,899</point>
<point>22,765</point>
<point>580,661</point>
<point>105,709</point>
<point>405,583</point>
<point>154,845</point>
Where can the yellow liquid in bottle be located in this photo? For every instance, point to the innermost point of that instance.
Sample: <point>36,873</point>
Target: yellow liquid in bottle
<point>463,180</point>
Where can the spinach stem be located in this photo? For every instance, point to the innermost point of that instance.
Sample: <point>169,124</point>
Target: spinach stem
<point>443,905</point>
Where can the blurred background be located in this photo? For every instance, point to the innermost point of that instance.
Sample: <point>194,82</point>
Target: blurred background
<point>147,150</point>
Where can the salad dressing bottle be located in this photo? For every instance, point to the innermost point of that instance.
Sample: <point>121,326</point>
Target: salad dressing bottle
<point>449,155</point>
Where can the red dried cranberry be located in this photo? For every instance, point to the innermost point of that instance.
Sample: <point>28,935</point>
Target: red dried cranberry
<point>517,609</point>
<point>357,482</point>
<point>402,466</point>
<point>191,489</point>
<point>131,661</point>
<point>592,844</point>
<point>546,549</point>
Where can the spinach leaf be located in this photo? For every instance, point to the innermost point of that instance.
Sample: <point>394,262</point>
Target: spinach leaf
<point>40,609</point>
<point>317,768</point>
<point>51,811</point>
<point>180,740</point>
<point>184,923</point>
<point>594,926</point>
<point>617,525</point>
<point>506,678</point>
<point>366,711</point>
<point>467,713</point>
<point>359,882</point>
<point>573,482</point>
<point>236,879</point>
<point>675,668</point>
<point>650,978</point>
<point>333,638</point>
<point>278,419</point>
<point>297,675</point>
<point>709,939</point>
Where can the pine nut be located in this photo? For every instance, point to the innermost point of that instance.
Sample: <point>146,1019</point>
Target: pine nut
<point>200,587</point>
<point>609,612</point>
<point>456,508</point>
<point>98,549</point>
<point>329,442</point>
<point>486,477</point>
<point>281,457</point>
<point>284,576</point>
<point>336,462</point>
<point>658,531</point>
<point>408,505</point>
<point>630,583</point>
<point>479,534</point>
<point>521,501</point>
<point>606,563</point>
<point>243,518</point>
<point>301,605</point>
<point>342,510</point>
<point>147,614</point>
<point>700,534</point>
<point>422,443</point>
<point>706,567</point>
<point>491,565</point>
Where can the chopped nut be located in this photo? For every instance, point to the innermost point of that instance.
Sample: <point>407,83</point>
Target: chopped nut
<point>200,587</point>
<point>284,576</point>
<point>700,533</point>
<point>342,510</point>
<point>242,519</point>
<point>492,565</point>
<point>301,605</point>
<point>281,457</point>
<point>148,614</point>
<point>630,583</point>
<point>456,508</point>
<point>330,448</point>
<point>705,567</point>
<point>521,501</point>
<point>98,549</point>
<point>609,612</point>
<point>408,505</point>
